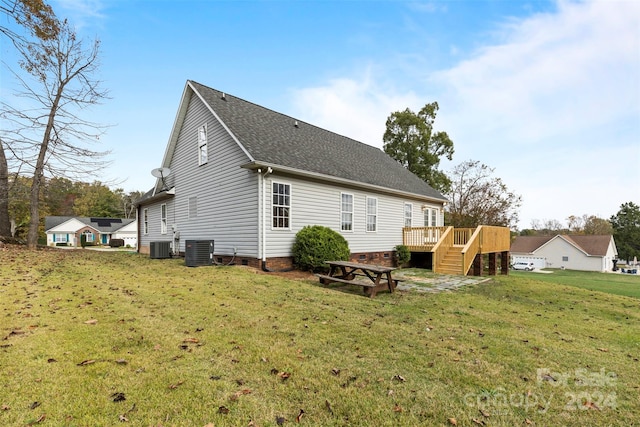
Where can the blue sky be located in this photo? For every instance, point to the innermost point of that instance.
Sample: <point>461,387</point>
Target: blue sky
<point>545,92</point>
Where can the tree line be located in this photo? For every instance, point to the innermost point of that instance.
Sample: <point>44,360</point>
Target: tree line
<point>63,197</point>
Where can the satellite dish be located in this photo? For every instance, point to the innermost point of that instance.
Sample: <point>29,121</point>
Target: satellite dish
<point>161,172</point>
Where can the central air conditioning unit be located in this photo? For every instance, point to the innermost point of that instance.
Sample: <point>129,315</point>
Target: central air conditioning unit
<point>159,250</point>
<point>198,252</point>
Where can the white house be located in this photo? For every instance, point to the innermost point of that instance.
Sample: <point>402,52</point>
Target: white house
<point>573,252</point>
<point>67,230</point>
<point>250,178</point>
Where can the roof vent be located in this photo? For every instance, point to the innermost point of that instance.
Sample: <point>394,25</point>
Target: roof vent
<point>295,123</point>
<point>224,96</point>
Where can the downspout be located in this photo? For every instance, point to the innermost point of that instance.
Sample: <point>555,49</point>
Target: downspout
<point>138,233</point>
<point>263,222</point>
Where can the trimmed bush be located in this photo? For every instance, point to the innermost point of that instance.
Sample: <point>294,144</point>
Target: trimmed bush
<point>316,244</point>
<point>116,243</point>
<point>402,255</point>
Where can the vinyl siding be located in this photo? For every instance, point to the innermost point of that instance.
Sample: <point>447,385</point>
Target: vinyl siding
<point>557,248</point>
<point>227,199</point>
<point>314,203</point>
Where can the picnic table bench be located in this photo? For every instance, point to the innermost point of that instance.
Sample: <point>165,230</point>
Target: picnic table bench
<point>375,278</point>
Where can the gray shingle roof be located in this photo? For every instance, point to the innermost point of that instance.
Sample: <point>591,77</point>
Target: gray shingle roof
<point>274,138</point>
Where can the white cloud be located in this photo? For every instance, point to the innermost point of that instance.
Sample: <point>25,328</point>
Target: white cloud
<point>553,74</point>
<point>82,14</point>
<point>357,108</point>
<point>554,107</point>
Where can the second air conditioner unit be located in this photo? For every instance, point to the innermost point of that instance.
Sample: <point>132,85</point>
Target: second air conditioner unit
<point>198,252</point>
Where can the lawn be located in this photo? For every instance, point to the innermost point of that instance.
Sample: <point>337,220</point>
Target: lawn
<point>613,283</point>
<point>100,339</point>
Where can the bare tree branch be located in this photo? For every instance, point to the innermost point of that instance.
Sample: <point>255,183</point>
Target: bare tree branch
<point>50,136</point>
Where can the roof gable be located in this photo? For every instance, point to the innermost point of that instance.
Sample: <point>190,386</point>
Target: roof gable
<point>64,224</point>
<point>70,223</point>
<point>592,245</point>
<point>597,245</point>
<point>271,138</point>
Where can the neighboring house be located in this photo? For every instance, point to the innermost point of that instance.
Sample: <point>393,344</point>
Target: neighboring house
<point>573,252</point>
<point>250,178</point>
<point>67,230</point>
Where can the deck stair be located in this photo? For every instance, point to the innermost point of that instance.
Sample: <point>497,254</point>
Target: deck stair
<point>461,251</point>
<point>452,261</point>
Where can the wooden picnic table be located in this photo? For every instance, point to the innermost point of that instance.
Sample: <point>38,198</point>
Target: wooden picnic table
<point>375,277</point>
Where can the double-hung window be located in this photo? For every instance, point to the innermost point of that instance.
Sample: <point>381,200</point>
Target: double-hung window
<point>346,212</point>
<point>372,214</point>
<point>202,145</point>
<point>408,213</point>
<point>434,217</point>
<point>281,205</point>
<point>427,217</point>
<point>163,218</point>
<point>60,238</point>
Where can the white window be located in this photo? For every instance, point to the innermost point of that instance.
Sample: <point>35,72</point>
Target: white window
<point>145,221</point>
<point>281,205</point>
<point>346,212</point>
<point>163,218</point>
<point>202,144</point>
<point>88,236</point>
<point>60,238</point>
<point>372,214</point>
<point>193,207</point>
<point>408,213</point>
<point>430,217</point>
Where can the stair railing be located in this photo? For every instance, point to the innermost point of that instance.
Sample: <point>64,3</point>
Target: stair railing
<point>471,249</point>
<point>440,249</point>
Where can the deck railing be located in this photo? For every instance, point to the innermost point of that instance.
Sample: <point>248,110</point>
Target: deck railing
<point>474,241</point>
<point>472,248</point>
<point>485,239</point>
<point>421,238</point>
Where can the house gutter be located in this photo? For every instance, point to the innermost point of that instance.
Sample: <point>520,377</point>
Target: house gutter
<point>341,181</point>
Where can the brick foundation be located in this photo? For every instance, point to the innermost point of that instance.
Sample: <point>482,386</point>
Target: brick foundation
<point>381,258</point>
<point>286,263</point>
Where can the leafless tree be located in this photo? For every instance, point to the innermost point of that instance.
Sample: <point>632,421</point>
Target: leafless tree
<point>478,198</point>
<point>38,21</point>
<point>46,131</point>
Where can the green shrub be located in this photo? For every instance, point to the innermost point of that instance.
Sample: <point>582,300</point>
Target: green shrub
<point>316,244</point>
<point>402,255</point>
<point>83,240</point>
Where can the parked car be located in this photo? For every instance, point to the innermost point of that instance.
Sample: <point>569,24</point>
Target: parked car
<point>526,266</point>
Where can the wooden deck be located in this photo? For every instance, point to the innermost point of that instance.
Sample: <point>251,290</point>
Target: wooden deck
<point>457,250</point>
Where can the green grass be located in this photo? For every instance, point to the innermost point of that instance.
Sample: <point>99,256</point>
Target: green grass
<point>613,283</point>
<point>180,343</point>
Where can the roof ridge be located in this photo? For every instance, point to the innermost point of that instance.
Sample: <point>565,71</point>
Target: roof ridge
<point>287,115</point>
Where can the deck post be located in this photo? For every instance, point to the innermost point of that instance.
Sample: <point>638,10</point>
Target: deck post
<point>504,262</point>
<point>477,265</point>
<point>493,263</point>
